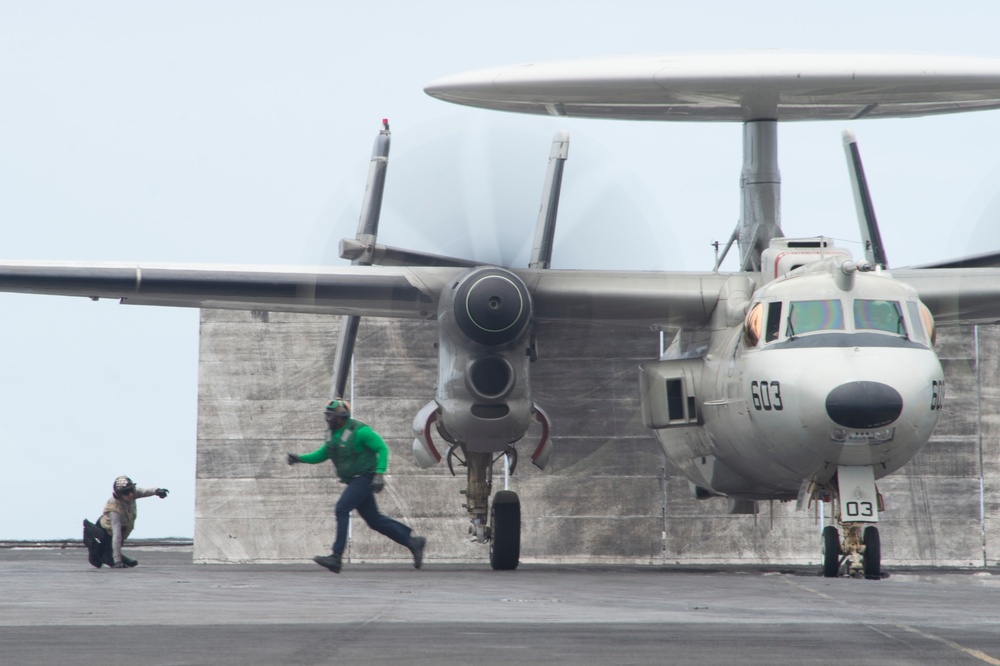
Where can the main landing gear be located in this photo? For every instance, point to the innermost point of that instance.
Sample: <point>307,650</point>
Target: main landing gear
<point>856,505</point>
<point>499,524</point>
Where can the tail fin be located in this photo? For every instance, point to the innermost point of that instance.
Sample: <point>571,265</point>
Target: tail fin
<point>541,252</point>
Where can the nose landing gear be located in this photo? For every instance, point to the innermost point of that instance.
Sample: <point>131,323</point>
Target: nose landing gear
<point>857,504</point>
<point>860,552</point>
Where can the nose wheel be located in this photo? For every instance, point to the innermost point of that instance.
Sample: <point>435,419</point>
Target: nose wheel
<point>872,558</point>
<point>860,550</point>
<point>831,552</point>
<point>857,504</point>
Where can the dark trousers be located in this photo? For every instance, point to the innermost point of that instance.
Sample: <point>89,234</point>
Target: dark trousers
<point>104,548</point>
<point>358,495</point>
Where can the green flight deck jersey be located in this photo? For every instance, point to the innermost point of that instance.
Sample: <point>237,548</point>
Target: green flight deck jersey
<point>354,449</point>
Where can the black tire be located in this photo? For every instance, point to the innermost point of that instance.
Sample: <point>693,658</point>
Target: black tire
<point>873,553</point>
<point>831,551</point>
<point>505,517</point>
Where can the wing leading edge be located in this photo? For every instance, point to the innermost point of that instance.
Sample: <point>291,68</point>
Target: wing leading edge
<point>605,297</point>
<point>379,291</point>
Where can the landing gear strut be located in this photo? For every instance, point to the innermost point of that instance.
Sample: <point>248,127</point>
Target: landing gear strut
<point>499,525</point>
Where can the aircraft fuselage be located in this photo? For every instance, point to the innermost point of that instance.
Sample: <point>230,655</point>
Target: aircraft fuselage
<point>826,369</point>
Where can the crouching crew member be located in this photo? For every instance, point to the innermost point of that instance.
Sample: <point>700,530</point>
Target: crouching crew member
<point>104,540</point>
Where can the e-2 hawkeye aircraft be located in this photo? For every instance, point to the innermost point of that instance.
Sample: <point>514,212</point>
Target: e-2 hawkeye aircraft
<point>806,375</point>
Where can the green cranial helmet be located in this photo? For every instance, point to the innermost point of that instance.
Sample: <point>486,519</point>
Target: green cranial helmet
<point>339,408</point>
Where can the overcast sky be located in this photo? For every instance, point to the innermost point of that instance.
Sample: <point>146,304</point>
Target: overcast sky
<point>240,132</point>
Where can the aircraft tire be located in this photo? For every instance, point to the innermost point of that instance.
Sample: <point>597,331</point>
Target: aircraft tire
<point>873,553</point>
<point>831,551</point>
<point>505,516</point>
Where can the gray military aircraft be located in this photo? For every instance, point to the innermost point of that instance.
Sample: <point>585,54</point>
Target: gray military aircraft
<point>805,375</point>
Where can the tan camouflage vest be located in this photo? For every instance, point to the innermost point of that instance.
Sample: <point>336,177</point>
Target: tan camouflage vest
<point>127,511</point>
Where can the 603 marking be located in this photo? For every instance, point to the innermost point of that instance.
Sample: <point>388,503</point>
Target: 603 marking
<point>766,395</point>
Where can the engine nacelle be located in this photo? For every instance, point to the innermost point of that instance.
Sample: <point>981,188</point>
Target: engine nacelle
<point>483,382</point>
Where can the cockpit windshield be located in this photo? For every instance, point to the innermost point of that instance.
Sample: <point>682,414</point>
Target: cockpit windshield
<point>809,316</point>
<point>877,315</point>
<point>771,321</point>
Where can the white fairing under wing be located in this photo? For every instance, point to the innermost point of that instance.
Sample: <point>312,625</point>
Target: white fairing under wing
<point>729,87</point>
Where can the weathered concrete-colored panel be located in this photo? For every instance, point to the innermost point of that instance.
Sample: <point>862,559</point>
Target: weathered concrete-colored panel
<point>608,495</point>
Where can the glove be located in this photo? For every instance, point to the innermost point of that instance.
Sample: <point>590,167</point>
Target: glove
<point>161,493</point>
<point>119,565</point>
<point>293,458</point>
<point>378,483</point>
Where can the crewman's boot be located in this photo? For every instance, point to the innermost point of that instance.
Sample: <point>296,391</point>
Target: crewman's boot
<point>331,562</point>
<point>417,544</point>
<point>129,562</point>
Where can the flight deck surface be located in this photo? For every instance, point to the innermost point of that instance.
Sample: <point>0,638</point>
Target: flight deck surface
<point>55,608</point>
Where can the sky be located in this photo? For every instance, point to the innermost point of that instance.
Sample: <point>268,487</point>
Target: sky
<point>240,132</point>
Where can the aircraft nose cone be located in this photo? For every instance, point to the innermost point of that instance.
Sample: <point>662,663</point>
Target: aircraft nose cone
<point>863,405</point>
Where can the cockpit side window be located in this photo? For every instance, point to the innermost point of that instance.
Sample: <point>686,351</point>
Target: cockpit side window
<point>752,325</point>
<point>773,321</point>
<point>878,315</point>
<point>918,334</point>
<point>928,320</point>
<point>809,316</point>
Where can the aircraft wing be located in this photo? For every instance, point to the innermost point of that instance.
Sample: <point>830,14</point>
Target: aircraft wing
<point>369,291</point>
<point>957,295</point>
<point>984,260</point>
<point>619,297</point>
<point>624,297</point>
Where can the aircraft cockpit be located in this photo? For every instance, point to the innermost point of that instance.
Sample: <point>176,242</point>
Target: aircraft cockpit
<point>782,321</point>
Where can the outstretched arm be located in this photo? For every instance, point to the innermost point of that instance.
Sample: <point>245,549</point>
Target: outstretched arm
<point>317,456</point>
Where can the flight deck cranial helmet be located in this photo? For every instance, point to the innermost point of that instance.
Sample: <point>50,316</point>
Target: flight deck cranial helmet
<point>123,486</point>
<point>337,409</point>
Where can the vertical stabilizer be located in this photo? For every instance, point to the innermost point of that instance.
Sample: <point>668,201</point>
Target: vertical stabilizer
<point>545,229</point>
<point>371,208</point>
<point>870,236</point>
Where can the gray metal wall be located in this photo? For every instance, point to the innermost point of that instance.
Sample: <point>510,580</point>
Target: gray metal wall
<point>608,495</point>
